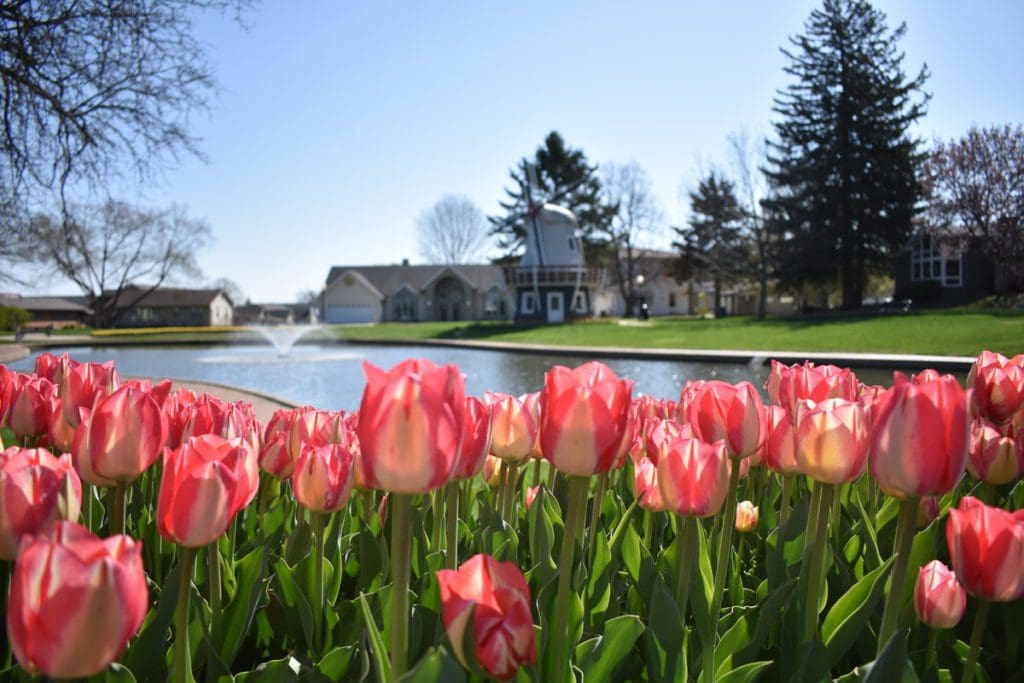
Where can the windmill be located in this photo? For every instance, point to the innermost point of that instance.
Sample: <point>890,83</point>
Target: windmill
<point>552,281</point>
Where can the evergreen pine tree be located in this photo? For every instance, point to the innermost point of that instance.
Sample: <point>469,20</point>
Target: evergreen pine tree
<point>563,174</point>
<point>713,244</point>
<point>843,169</point>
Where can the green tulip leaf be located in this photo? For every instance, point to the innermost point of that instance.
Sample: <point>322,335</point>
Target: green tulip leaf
<point>663,640</point>
<point>250,571</point>
<point>599,657</point>
<point>437,665</point>
<point>379,652</point>
<point>847,619</point>
<point>145,657</point>
<point>336,663</point>
<point>744,674</point>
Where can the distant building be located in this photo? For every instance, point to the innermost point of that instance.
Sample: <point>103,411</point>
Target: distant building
<point>51,312</point>
<point>365,294</point>
<point>930,270</point>
<point>174,307</point>
<point>276,314</point>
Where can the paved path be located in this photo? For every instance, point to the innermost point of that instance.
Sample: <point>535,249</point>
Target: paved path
<point>12,352</point>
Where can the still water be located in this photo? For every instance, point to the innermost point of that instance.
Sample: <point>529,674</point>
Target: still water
<point>331,376</point>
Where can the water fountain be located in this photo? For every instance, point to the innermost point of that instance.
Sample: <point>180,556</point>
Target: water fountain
<point>284,337</point>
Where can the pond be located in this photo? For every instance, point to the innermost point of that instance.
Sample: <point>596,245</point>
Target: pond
<point>331,376</point>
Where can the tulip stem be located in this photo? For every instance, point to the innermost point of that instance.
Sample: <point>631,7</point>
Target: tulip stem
<point>436,519</point>
<point>812,522</point>
<point>213,577</point>
<point>976,635</point>
<point>182,653</point>
<point>318,520</point>
<point>511,479</point>
<point>722,569</point>
<point>933,637</point>
<point>551,477</point>
<point>784,501</point>
<point>117,508</point>
<point>536,471</point>
<point>595,516</point>
<point>817,560</point>
<point>451,559</point>
<point>579,488</point>
<point>687,555</point>
<point>401,560</point>
<point>902,546</point>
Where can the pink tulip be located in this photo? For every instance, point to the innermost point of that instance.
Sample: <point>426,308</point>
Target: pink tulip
<point>498,598</point>
<point>995,458</point>
<point>75,601</point>
<point>831,440</point>
<point>513,427</point>
<point>810,382</point>
<point>693,477</point>
<point>986,546</point>
<point>645,485</point>
<point>476,442</point>
<point>998,385</point>
<point>586,422</point>
<point>52,368</point>
<point>83,384</point>
<point>28,401</point>
<point>921,437</point>
<point>127,431</point>
<point>661,434</point>
<point>927,511</point>
<point>411,425</point>
<point>939,599</point>
<point>780,447</point>
<point>206,482</point>
<point>733,413</point>
<point>35,488</point>
<point>531,495</point>
<point>491,471</point>
<point>61,434</point>
<point>275,457</point>
<point>323,479</point>
<point>746,516</point>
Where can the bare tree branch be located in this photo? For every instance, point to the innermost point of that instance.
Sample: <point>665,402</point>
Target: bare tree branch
<point>454,230</point>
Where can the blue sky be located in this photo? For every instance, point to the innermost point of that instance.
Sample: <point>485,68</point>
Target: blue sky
<point>338,123</point>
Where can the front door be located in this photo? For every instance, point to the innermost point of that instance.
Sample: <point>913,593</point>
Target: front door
<point>556,308</point>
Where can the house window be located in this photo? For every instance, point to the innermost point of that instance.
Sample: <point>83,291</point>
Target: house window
<point>671,299</point>
<point>579,304</point>
<point>529,302</point>
<point>929,261</point>
<point>405,305</point>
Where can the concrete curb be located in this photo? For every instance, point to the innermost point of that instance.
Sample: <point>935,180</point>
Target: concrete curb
<point>12,352</point>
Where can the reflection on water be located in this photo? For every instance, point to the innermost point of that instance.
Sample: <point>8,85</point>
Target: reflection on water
<point>332,376</point>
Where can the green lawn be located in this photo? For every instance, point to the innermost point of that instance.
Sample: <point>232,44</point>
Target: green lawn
<point>947,332</point>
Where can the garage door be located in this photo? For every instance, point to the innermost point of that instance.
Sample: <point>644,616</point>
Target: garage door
<point>350,314</point>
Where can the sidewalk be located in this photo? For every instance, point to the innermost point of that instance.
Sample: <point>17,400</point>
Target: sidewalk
<point>12,352</point>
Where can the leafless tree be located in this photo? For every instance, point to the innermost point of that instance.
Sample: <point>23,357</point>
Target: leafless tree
<point>94,90</point>
<point>454,230</point>
<point>975,187</point>
<point>103,248</point>
<point>746,154</point>
<point>229,287</point>
<point>637,218</point>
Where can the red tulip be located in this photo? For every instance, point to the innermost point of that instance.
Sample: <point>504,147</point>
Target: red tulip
<point>275,457</point>
<point>35,488</point>
<point>810,382</point>
<point>127,431</point>
<point>733,413</point>
<point>746,516</point>
<point>645,485</point>
<point>75,601</point>
<point>927,511</point>
<point>52,367</point>
<point>921,437</point>
<point>995,458</point>
<point>780,447</point>
<point>998,385</point>
<point>323,478</point>
<point>513,427</point>
<point>586,421</point>
<point>831,440</point>
<point>28,400</point>
<point>476,443</point>
<point>661,434</point>
<point>498,598</point>
<point>83,384</point>
<point>210,415</point>
<point>939,599</point>
<point>411,425</point>
<point>693,477</point>
<point>986,546</point>
<point>206,482</point>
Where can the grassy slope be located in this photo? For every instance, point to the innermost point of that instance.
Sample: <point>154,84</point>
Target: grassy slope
<point>949,332</point>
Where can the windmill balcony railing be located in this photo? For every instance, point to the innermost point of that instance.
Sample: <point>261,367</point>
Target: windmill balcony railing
<point>528,276</point>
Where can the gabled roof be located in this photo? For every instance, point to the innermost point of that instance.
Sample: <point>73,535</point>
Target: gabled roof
<point>167,297</point>
<point>388,280</point>
<point>44,303</point>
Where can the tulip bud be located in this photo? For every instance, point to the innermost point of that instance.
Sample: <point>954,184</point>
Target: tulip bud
<point>921,437</point>
<point>927,511</point>
<point>491,471</point>
<point>498,598</point>
<point>35,488</point>
<point>323,479</point>
<point>75,601</point>
<point>986,547</point>
<point>995,458</point>
<point>513,427</point>
<point>998,385</point>
<point>206,482</point>
<point>732,413</point>
<point>645,485</point>
<point>585,418</point>
<point>531,495</point>
<point>127,431</point>
<point>411,425</point>
<point>939,599</point>
<point>693,477</point>
<point>746,516</point>
<point>831,440</point>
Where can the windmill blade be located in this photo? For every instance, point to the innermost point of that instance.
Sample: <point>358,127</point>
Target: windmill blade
<point>555,198</point>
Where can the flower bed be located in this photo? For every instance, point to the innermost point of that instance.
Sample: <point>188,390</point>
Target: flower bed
<point>577,533</point>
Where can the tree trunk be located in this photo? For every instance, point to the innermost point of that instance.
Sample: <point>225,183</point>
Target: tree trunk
<point>718,296</point>
<point>762,297</point>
